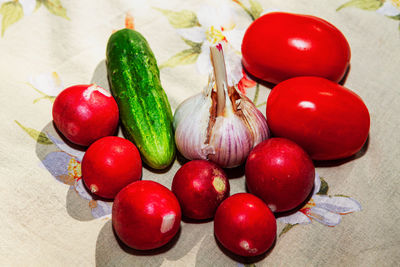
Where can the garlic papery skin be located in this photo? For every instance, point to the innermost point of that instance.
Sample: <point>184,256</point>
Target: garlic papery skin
<point>219,124</point>
<point>190,123</point>
<point>255,119</point>
<point>231,140</point>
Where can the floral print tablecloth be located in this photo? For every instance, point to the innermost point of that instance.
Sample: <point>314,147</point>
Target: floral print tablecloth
<point>48,217</point>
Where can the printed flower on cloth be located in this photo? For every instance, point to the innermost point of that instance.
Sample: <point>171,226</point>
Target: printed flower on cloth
<point>325,209</point>
<point>48,84</point>
<point>388,8</point>
<point>217,26</point>
<point>14,10</point>
<point>209,26</point>
<point>27,6</point>
<point>65,166</point>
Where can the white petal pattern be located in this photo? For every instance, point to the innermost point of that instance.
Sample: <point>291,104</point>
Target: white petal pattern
<point>81,190</point>
<point>194,34</point>
<point>325,217</point>
<point>388,9</point>
<point>103,209</point>
<point>221,16</point>
<point>66,148</point>
<point>48,83</point>
<point>235,38</point>
<point>203,62</point>
<point>295,218</point>
<point>233,64</point>
<point>340,205</point>
<point>317,184</point>
<point>28,6</point>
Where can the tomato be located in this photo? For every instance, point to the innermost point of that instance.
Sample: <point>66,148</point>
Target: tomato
<point>326,119</point>
<point>279,46</point>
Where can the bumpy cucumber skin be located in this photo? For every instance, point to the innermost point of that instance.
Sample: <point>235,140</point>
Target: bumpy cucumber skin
<point>145,112</point>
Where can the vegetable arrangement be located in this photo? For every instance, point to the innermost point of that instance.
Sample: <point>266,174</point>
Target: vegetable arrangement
<point>310,118</point>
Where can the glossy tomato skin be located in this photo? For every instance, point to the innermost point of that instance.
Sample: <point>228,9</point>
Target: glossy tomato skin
<point>244,225</point>
<point>146,215</point>
<point>326,119</point>
<point>278,46</point>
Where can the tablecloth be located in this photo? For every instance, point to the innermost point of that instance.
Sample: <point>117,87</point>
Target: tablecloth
<point>48,218</point>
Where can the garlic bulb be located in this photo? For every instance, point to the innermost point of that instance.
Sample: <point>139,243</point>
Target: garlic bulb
<point>219,124</point>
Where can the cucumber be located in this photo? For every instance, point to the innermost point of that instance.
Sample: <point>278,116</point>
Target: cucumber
<point>145,112</point>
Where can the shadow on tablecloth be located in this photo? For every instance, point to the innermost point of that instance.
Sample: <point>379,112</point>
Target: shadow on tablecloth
<point>112,252</point>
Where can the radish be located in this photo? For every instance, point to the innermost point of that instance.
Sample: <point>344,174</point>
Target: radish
<point>200,187</point>
<point>85,113</point>
<point>110,164</point>
<point>146,215</point>
<point>244,225</point>
<point>281,173</point>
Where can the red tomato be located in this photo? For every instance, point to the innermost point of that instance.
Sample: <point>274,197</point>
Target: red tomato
<point>326,119</point>
<point>244,225</point>
<point>279,46</point>
<point>110,164</point>
<point>146,215</point>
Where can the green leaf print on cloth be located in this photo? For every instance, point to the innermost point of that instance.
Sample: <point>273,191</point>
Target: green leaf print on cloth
<point>254,10</point>
<point>363,4</point>
<point>180,19</point>
<point>188,56</point>
<point>55,7</point>
<point>388,8</point>
<point>13,11</point>
<point>40,137</point>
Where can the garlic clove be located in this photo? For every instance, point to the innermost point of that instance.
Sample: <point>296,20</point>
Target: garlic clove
<point>255,119</point>
<point>231,140</point>
<point>190,122</point>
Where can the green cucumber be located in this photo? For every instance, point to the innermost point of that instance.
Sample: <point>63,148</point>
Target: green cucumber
<point>144,109</point>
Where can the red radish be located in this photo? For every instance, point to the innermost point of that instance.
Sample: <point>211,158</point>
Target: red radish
<point>85,113</point>
<point>146,215</point>
<point>200,187</point>
<point>110,164</point>
<point>244,225</point>
<point>279,172</point>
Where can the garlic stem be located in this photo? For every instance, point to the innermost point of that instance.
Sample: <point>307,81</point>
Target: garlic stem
<point>218,61</point>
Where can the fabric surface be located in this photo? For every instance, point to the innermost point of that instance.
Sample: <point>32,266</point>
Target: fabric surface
<point>48,218</point>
